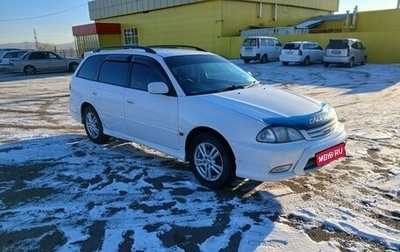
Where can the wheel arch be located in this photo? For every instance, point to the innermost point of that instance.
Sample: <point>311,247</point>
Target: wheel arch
<point>204,130</point>
<point>84,106</point>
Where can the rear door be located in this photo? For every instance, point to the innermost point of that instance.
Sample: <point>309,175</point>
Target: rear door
<point>55,62</point>
<point>107,94</point>
<point>249,47</point>
<point>337,48</point>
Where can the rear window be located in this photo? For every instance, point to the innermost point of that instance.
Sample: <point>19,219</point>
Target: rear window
<point>249,42</point>
<point>291,46</point>
<point>337,44</point>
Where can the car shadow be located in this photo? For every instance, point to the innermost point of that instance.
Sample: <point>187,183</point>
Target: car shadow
<point>9,77</point>
<point>98,189</point>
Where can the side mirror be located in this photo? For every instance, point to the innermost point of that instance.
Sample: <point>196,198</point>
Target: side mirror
<point>157,88</point>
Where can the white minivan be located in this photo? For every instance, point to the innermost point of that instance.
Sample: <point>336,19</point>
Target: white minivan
<point>260,48</point>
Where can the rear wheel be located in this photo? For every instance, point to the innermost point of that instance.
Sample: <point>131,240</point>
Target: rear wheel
<point>306,61</point>
<point>246,61</point>
<point>264,59</point>
<point>364,61</point>
<point>29,69</point>
<point>285,63</point>
<point>211,161</point>
<point>351,63</point>
<point>73,66</point>
<point>94,126</point>
<point>326,64</point>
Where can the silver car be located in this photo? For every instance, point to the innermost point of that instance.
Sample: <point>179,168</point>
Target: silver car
<point>346,51</point>
<point>303,52</point>
<point>43,61</point>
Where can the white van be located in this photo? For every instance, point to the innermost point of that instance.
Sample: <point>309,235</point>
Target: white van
<point>260,48</point>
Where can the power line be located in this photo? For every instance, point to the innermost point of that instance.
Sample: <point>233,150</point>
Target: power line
<point>42,16</point>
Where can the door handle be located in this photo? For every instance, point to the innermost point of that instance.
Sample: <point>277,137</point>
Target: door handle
<point>94,93</point>
<point>130,102</point>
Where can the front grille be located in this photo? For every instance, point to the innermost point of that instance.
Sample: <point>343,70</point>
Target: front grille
<point>321,131</point>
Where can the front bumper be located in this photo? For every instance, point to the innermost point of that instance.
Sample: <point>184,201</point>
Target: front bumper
<point>255,161</point>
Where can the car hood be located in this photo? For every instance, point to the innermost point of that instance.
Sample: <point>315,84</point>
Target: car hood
<point>274,106</point>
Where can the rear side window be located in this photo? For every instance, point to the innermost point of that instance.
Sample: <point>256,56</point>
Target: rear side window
<point>337,44</point>
<point>90,67</point>
<point>37,56</point>
<point>114,72</point>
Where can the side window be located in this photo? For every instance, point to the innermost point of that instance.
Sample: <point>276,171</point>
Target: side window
<point>264,42</point>
<point>37,56</point>
<point>355,45</point>
<point>277,43</point>
<point>51,55</point>
<point>114,72</point>
<point>271,42</point>
<point>142,75</point>
<point>90,67</point>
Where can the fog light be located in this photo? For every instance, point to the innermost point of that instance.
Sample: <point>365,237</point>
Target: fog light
<point>282,168</point>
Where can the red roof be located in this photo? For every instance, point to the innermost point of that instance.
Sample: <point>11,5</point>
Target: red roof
<point>96,28</point>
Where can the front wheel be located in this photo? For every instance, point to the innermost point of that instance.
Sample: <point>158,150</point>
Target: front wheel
<point>285,63</point>
<point>351,63</point>
<point>93,126</point>
<point>211,161</point>
<point>364,61</point>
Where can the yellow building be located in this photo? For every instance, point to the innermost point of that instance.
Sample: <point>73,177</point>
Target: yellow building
<point>217,25</point>
<point>210,24</point>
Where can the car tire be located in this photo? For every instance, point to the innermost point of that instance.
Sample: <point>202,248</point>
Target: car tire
<point>364,61</point>
<point>211,161</point>
<point>285,63</point>
<point>29,70</point>
<point>326,64</point>
<point>351,63</point>
<point>94,126</point>
<point>72,66</point>
<point>264,59</point>
<point>306,61</point>
<point>246,61</point>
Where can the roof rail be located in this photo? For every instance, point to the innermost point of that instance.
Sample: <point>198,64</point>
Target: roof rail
<point>178,46</point>
<point>119,47</point>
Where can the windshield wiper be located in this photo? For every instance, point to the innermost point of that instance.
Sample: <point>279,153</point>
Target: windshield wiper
<point>254,83</point>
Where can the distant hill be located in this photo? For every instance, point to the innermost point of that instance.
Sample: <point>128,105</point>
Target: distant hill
<point>42,46</point>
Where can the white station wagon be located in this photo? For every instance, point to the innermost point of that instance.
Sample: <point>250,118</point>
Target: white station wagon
<point>201,108</point>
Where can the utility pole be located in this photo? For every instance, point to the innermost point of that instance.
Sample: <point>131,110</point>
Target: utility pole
<point>36,41</point>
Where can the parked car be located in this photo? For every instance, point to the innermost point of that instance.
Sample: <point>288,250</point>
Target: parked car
<point>6,56</point>
<point>199,107</point>
<point>261,49</point>
<point>7,49</point>
<point>303,52</point>
<point>346,51</point>
<point>43,61</point>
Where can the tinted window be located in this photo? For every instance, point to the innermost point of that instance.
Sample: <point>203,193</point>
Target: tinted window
<point>90,67</point>
<point>37,56</point>
<point>249,42</point>
<point>291,46</point>
<point>337,44</point>
<point>114,72</point>
<point>142,75</point>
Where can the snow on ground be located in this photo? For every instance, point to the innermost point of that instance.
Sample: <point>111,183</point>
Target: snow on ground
<point>59,191</point>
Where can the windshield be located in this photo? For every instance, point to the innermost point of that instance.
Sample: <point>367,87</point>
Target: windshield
<point>204,74</point>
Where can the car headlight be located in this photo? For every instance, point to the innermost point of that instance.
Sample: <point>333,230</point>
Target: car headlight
<point>279,134</point>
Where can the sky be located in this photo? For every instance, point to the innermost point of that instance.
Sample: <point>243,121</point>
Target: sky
<point>53,20</point>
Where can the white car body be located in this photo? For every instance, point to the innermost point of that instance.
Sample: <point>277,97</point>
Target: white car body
<point>167,122</point>
<point>260,48</point>
<point>303,52</point>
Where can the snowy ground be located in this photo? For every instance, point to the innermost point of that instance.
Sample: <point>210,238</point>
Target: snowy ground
<point>59,191</point>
